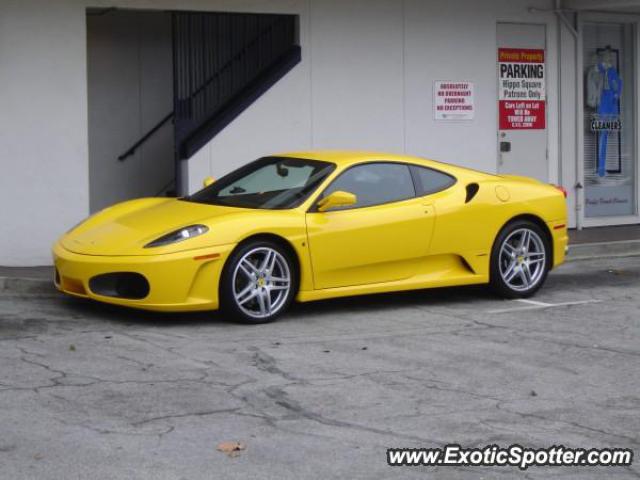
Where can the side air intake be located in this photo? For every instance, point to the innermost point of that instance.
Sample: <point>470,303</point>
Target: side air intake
<point>472,189</point>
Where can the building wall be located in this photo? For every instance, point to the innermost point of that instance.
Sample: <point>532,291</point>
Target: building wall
<point>130,83</point>
<point>44,182</point>
<point>365,81</point>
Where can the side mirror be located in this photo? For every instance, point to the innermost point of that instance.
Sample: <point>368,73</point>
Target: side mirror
<point>336,199</point>
<point>208,181</point>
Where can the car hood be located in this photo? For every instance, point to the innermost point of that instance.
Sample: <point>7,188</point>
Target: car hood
<point>126,228</point>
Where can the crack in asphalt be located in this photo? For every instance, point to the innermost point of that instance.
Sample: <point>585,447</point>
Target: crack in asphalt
<point>537,416</point>
<point>205,413</point>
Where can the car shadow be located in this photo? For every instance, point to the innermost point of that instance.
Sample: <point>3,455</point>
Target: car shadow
<point>395,300</point>
<point>83,308</point>
<point>558,280</point>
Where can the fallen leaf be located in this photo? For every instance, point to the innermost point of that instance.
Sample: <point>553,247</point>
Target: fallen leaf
<point>72,348</point>
<point>232,449</point>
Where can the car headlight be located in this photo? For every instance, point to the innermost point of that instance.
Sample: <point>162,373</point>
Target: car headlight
<point>180,235</point>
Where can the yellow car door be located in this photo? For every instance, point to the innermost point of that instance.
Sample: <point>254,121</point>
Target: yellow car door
<point>379,238</point>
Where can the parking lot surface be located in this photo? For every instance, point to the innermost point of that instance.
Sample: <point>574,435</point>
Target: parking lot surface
<point>91,391</point>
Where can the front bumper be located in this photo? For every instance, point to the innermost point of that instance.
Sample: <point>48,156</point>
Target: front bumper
<point>182,281</point>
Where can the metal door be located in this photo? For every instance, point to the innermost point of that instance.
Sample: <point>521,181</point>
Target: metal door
<point>522,123</point>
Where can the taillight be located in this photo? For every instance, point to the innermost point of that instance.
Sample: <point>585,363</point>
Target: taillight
<point>562,189</point>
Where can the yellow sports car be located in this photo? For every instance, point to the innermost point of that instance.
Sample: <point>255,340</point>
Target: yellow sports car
<point>316,225</point>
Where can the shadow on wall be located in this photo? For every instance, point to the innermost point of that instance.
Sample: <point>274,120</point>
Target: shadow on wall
<point>130,85</point>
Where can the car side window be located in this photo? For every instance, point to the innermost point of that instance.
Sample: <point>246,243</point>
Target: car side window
<point>430,181</point>
<point>374,184</point>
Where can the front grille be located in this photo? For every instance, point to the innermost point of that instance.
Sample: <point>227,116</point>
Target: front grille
<point>128,285</point>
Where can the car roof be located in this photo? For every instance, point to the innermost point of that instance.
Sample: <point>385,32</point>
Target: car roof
<point>352,157</point>
<point>343,157</point>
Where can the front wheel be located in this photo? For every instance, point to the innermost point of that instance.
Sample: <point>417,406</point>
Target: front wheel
<point>258,282</point>
<point>520,260</point>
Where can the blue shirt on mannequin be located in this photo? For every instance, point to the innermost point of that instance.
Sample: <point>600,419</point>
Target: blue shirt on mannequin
<point>608,106</point>
<point>611,89</point>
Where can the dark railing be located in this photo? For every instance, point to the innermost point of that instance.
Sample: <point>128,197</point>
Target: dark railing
<point>222,62</point>
<point>218,58</point>
<point>145,137</point>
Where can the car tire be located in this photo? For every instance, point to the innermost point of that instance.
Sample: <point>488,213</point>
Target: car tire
<point>520,259</point>
<point>258,282</point>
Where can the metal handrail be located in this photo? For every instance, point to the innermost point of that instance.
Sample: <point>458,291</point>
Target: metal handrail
<point>200,89</point>
<point>145,137</point>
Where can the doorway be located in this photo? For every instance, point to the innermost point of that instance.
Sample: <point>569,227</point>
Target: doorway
<point>522,117</point>
<point>130,89</point>
<point>162,84</point>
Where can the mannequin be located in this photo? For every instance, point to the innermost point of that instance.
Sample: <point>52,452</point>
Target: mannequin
<point>604,87</point>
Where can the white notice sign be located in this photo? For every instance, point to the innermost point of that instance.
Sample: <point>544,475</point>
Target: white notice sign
<point>453,100</point>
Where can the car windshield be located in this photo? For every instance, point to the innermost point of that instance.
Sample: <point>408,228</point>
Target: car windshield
<point>268,183</point>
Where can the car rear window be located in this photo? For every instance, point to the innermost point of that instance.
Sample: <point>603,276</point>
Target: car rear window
<point>430,181</point>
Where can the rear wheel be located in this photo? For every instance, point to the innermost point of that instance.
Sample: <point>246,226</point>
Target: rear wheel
<point>520,260</point>
<point>258,282</point>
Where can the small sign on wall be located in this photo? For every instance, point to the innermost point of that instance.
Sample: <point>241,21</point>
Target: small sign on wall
<point>453,100</point>
<point>521,89</point>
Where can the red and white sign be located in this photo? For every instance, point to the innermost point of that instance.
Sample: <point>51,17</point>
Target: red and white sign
<point>521,89</point>
<point>453,100</point>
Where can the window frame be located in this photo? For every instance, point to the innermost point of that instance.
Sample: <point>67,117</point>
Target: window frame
<point>420,191</point>
<point>314,205</point>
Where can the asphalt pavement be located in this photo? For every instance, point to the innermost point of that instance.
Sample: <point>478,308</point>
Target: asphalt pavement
<point>99,392</point>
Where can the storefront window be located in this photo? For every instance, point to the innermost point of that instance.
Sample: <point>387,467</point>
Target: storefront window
<point>610,159</point>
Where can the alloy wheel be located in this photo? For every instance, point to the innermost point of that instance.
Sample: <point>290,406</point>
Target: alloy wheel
<point>261,282</point>
<point>522,259</point>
